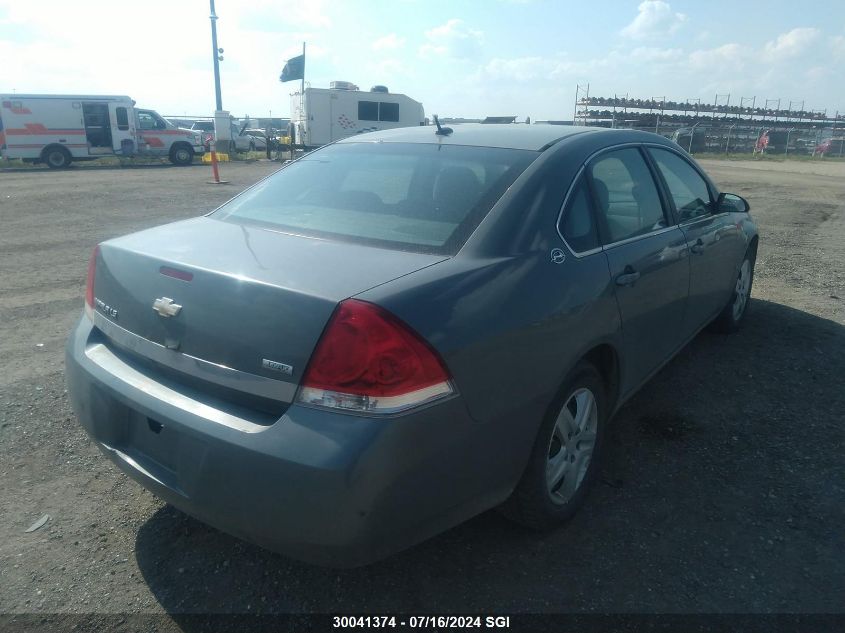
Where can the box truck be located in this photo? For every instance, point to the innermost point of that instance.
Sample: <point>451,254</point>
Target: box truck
<point>58,129</point>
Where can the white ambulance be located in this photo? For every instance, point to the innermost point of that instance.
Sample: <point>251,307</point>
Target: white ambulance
<point>58,129</point>
<point>322,116</point>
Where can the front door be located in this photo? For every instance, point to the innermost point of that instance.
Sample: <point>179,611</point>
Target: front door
<point>715,241</point>
<point>122,128</point>
<point>97,128</point>
<point>152,129</point>
<point>647,257</point>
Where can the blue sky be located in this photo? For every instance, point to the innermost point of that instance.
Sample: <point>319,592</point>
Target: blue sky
<point>468,58</point>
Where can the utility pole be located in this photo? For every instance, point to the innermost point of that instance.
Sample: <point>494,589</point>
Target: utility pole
<point>216,54</point>
<point>220,129</point>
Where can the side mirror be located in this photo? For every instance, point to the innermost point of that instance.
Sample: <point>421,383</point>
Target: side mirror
<point>732,203</point>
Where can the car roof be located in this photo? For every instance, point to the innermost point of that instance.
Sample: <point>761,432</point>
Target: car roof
<point>513,136</point>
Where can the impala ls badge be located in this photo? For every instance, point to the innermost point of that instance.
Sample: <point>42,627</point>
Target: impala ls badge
<point>165,307</point>
<point>266,363</point>
<point>106,308</point>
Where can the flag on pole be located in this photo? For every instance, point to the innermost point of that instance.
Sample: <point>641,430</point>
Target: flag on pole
<point>294,69</point>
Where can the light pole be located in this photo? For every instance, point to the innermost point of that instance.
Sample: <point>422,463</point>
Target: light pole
<point>218,100</point>
<point>216,54</point>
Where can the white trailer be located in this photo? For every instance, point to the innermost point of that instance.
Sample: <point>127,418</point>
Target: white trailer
<point>324,115</point>
<point>58,129</point>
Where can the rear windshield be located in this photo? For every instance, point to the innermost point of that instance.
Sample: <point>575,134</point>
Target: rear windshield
<point>407,196</point>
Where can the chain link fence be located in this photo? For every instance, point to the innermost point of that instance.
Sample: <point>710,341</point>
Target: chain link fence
<point>754,139</point>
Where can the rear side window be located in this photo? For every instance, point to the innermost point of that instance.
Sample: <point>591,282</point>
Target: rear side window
<point>408,196</point>
<point>687,188</point>
<point>368,110</point>
<point>378,111</point>
<point>626,197</point>
<point>388,111</point>
<point>122,119</point>
<point>577,224</point>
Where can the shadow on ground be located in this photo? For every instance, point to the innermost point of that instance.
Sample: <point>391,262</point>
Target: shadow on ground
<point>722,492</point>
<point>46,170</point>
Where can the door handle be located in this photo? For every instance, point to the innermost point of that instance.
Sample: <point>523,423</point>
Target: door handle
<point>698,247</point>
<point>627,278</point>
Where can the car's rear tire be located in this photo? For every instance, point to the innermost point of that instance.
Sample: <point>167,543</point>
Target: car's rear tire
<point>56,157</point>
<point>733,314</point>
<point>182,154</point>
<point>566,454</point>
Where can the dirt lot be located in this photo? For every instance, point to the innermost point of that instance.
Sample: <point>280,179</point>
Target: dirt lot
<point>723,490</point>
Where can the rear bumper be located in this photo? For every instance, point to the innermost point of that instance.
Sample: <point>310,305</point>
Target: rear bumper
<point>199,150</point>
<point>327,488</point>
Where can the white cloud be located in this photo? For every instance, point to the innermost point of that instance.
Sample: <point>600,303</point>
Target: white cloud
<point>654,17</point>
<point>453,39</point>
<point>651,54</point>
<point>313,49</point>
<point>275,15</point>
<point>390,42</point>
<point>791,44</point>
<point>837,46</point>
<point>728,58</point>
<point>517,69</point>
<point>387,69</point>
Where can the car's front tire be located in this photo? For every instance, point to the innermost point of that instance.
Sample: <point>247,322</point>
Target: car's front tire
<point>733,314</point>
<point>566,454</point>
<point>182,154</point>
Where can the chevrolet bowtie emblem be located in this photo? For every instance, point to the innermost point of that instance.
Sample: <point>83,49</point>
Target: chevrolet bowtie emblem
<point>165,307</point>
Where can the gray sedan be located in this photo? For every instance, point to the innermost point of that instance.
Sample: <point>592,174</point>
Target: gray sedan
<point>404,329</point>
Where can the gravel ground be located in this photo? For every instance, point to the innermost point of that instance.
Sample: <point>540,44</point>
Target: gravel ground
<point>722,491</point>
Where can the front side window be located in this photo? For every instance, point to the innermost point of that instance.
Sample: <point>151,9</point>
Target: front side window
<point>577,224</point>
<point>688,189</point>
<point>150,121</point>
<point>146,121</point>
<point>626,196</point>
<point>409,196</point>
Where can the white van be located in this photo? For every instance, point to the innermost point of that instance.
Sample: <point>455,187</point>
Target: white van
<point>58,129</point>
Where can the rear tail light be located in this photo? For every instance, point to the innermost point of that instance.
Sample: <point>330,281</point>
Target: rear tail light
<point>89,285</point>
<point>369,361</point>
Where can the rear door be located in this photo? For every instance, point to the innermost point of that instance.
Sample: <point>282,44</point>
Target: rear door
<point>122,126</point>
<point>319,124</point>
<point>97,127</point>
<point>647,256</point>
<point>715,240</point>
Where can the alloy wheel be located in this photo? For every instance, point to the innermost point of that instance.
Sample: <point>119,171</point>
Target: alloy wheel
<point>743,285</point>
<point>571,445</point>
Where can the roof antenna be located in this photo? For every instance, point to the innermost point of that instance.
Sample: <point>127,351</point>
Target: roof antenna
<point>441,131</point>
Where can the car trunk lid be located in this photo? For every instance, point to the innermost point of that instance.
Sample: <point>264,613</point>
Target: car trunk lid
<point>233,296</point>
